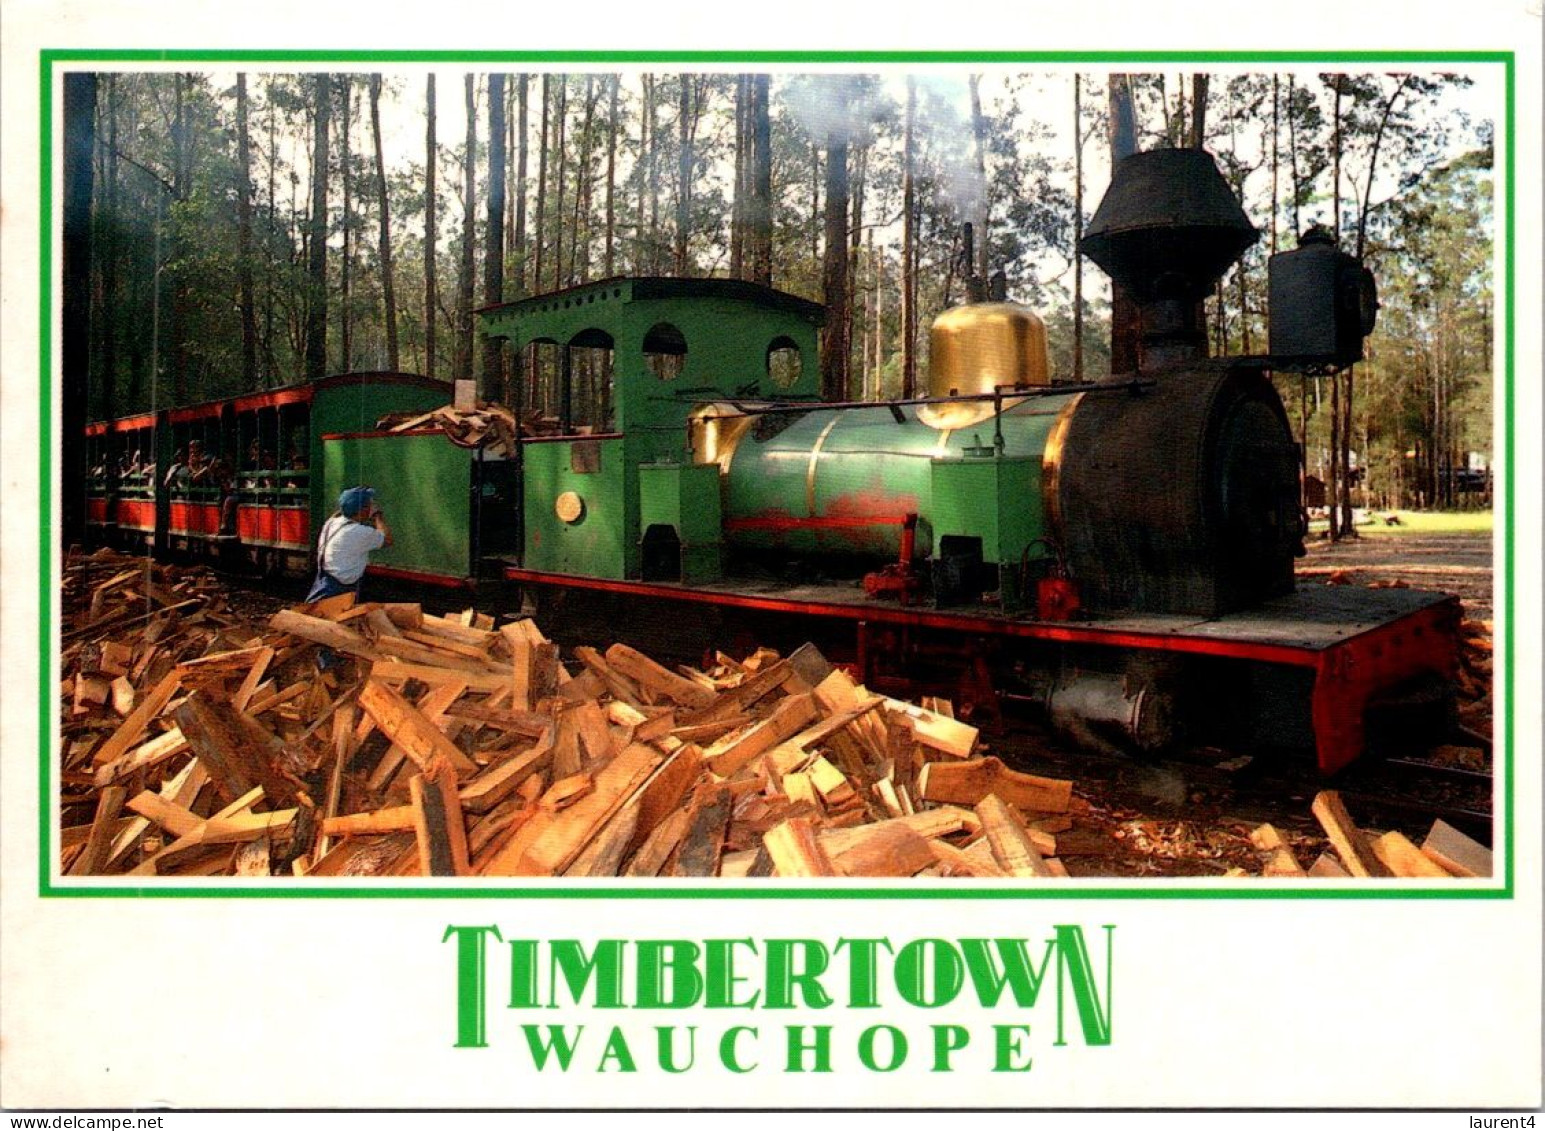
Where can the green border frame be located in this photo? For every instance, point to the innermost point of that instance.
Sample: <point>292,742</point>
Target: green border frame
<point>49,60</point>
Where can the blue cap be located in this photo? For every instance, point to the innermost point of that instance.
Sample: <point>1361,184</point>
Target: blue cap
<point>352,501</point>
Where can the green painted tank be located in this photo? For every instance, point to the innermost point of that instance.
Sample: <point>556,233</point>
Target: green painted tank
<point>842,481</point>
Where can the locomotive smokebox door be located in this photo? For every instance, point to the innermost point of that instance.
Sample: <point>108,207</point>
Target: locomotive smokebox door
<point>1323,303</point>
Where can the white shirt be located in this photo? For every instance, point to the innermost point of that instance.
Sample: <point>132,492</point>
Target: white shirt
<point>346,547</point>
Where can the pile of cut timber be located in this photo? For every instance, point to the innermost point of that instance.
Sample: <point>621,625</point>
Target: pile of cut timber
<point>1473,679</point>
<point>1445,853</point>
<point>377,739</point>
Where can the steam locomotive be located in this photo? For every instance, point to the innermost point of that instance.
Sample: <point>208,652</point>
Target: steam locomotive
<point>1121,551</point>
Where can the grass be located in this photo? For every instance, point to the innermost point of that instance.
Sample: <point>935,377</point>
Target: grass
<point>1421,522</point>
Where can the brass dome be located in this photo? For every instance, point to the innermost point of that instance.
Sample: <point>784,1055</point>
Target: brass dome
<point>976,348</point>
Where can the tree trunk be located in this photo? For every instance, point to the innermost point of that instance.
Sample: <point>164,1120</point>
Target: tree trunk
<point>979,144</point>
<point>538,284</point>
<point>1125,332</point>
<point>909,247</point>
<point>1198,135</point>
<point>431,299</point>
<point>181,189</point>
<point>834,272</point>
<point>346,314</point>
<point>316,307</point>
<point>1078,230</point>
<point>383,206</point>
<point>465,364</point>
<point>738,204</point>
<point>855,292</point>
<point>611,175</point>
<point>493,250</point>
<point>656,258</point>
<point>270,356</point>
<point>1337,468</point>
<point>1276,192</point>
<point>522,149</point>
<point>684,133</point>
<point>244,291</point>
<point>80,109</point>
<point>645,128</point>
<point>579,244</point>
<point>759,214</point>
<point>560,126</point>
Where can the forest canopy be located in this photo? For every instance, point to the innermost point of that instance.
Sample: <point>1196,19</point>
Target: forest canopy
<point>249,230</point>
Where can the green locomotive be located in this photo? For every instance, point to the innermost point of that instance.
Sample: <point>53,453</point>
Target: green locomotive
<point>1126,547</point>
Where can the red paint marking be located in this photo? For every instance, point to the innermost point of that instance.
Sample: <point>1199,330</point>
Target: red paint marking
<point>824,522</point>
<point>953,622</point>
<point>199,519</point>
<point>378,434</point>
<point>138,514</point>
<point>440,580</point>
<point>1350,674</point>
<point>126,424</point>
<point>274,398</point>
<point>283,526</point>
<point>196,412</point>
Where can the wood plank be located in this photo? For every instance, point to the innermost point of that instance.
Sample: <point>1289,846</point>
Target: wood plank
<point>236,750</point>
<point>399,671</point>
<point>533,666</point>
<point>703,843</point>
<point>557,838</point>
<point>656,849</point>
<point>829,782</point>
<point>104,826</point>
<point>152,752</point>
<point>604,854</point>
<point>796,851</point>
<point>938,732</point>
<point>496,783</point>
<point>254,679</point>
<point>1011,845</point>
<point>167,814</point>
<point>960,862</point>
<point>649,674</point>
<point>413,652</point>
<point>930,823</point>
<point>740,699</point>
<point>438,823</point>
<point>182,789</point>
<point>1405,860</point>
<point>620,686</point>
<point>880,849</point>
<point>729,755</point>
<point>394,819</point>
<point>967,783</point>
<point>254,858</point>
<point>1326,868</point>
<point>324,632</point>
<point>1456,853</point>
<point>405,724</point>
<point>1348,841</point>
<point>132,728</point>
<point>662,794</point>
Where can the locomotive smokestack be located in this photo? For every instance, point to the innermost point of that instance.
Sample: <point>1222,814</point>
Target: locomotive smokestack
<point>1167,230</point>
